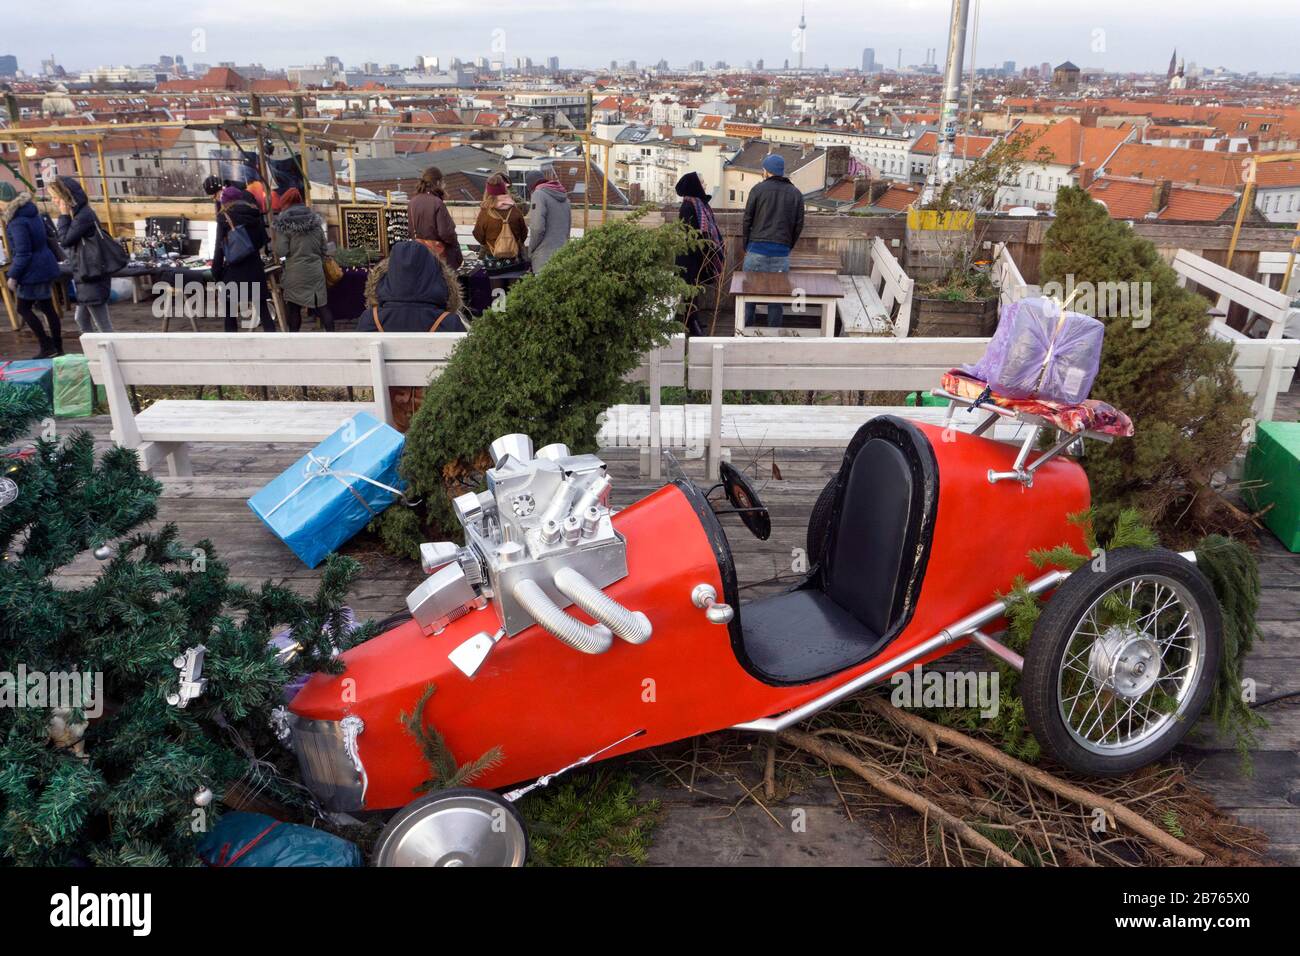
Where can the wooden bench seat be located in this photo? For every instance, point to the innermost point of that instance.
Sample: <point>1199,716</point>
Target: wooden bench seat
<point>880,302</point>
<point>163,431</point>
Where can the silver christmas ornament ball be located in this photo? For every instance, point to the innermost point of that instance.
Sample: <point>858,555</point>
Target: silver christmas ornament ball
<point>202,797</point>
<point>103,553</point>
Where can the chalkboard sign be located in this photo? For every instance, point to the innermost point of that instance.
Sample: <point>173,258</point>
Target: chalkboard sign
<point>363,227</point>
<point>397,225</point>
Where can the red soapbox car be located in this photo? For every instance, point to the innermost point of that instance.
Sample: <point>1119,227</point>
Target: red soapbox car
<point>563,632</point>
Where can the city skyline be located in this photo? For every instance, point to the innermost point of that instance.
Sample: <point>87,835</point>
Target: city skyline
<point>1109,35</point>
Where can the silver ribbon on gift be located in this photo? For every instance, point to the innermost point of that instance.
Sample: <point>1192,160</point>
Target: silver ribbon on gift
<point>319,466</point>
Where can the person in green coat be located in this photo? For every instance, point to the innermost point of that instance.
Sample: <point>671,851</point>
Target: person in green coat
<point>300,242</point>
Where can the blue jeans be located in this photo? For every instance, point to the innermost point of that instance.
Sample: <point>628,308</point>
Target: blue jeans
<point>757,263</point>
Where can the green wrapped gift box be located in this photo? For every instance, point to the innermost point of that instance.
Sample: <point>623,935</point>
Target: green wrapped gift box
<point>1275,462</point>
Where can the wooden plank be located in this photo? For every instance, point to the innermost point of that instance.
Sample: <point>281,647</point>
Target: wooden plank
<point>175,420</point>
<point>781,285</point>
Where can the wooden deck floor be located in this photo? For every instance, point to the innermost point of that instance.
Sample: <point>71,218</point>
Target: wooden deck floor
<point>212,505</point>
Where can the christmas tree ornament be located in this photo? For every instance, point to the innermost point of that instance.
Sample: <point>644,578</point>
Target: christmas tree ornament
<point>190,681</point>
<point>103,552</point>
<point>202,797</point>
<point>8,491</point>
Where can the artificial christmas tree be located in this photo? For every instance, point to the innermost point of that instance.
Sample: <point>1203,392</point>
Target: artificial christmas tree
<point>137,703</point>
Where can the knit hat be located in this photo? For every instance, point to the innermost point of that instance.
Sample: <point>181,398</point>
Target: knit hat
<point>774,164</point>
<point>231,194</point>
<point>532,180</point>
<point>496,189</point>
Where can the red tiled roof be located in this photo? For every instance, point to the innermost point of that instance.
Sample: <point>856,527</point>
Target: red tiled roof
<point>1198,166</point>
<point>898,196</point>
<point>1071,144</point>
<point>966,145</point>
<point>1277,174</point>
<point>1127,198</point>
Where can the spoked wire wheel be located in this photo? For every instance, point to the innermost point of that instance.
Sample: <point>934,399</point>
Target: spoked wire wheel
<point>1122,661</point>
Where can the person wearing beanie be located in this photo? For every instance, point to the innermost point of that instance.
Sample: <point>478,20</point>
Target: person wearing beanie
<point>235,208</point>
<point>703,264</point>
<point>549,216</point>
<point>772,225</point>
<point>500,228</point>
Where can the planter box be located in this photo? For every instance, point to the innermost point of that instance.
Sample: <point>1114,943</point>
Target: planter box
<point>944,318</point>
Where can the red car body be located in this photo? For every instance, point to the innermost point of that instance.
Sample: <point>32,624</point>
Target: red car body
<point>545,705</point>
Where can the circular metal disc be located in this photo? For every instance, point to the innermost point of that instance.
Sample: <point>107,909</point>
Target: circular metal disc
<point>461,827</point>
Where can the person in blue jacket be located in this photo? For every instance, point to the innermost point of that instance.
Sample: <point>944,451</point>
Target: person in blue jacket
<point>78,222</point>
<point>32,270</point>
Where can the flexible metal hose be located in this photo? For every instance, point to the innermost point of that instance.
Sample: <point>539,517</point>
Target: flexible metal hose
<point>588,638</point>
<point>633,626</point>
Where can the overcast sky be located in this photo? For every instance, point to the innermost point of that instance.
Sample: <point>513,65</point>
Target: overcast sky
<point>1115,34</point>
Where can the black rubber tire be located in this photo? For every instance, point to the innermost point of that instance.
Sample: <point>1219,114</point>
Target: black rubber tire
<point>1039,686</point>
<point>396,819</point>
<point>819,524</point>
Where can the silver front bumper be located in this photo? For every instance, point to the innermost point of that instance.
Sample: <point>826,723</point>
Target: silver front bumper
<point>328,759</point>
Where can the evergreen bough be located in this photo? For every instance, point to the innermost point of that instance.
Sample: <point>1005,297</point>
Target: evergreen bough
<point>548,364</point>
<point>124,793</point>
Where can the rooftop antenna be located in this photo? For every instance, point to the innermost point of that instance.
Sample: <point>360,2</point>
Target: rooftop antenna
<point>941,170</point>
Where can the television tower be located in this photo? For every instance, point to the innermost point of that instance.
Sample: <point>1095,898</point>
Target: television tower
<point>803,32</point>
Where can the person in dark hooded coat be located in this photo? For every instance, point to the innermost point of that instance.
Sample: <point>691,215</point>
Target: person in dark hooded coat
<point>410,291</point>
<point>235,211</point>
<point>31,271</point>
<point>703,264</point>
<point>77,222</point>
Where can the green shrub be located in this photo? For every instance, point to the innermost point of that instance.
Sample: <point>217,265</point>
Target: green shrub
<point>546,364</point>
<point>1172,377</point>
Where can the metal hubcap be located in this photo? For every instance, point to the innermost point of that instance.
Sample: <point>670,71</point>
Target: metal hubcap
<point>458,830</point>
<point>1132,665</point>
<point>1127,663</point>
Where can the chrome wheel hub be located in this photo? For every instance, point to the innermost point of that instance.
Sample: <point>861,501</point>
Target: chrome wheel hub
<point>1126,662</point>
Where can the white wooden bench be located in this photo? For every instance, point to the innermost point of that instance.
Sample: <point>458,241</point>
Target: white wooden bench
<point>1007,279</point>
<point>164,430</point>
<point>880,302</point>
<point>1264,366</point>
<point>859,364</point>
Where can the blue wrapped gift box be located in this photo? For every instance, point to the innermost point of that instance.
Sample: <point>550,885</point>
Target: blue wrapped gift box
<point>334,490</point>
<point>37,373</point>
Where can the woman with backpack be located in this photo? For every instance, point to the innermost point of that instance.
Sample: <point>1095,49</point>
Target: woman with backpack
<point>300,241</point>
<point>32,270</point>
<point>78,226</point>
<point>500,229</point>
<point>238,210</point>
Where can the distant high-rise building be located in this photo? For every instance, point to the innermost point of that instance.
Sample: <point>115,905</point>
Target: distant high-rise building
<point>1008,67</point>
<point>697,66</point>
<point>333,63</point>
<point>1045,70</point>
<point>868,60</point>
<point>759,65</point>
<point>613,66</point>
<point>553,63</point>
<point>8,65</point>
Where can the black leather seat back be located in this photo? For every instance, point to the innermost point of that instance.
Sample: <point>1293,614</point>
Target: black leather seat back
<point>865,560</point>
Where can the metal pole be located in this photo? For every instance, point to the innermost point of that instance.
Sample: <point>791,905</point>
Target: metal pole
<point>103,184</point>
<point>586,165</point>
<point>951,104</point>
<point>1247,197</point>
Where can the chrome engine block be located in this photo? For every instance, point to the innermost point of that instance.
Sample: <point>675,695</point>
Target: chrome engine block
<point>538,540</point>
